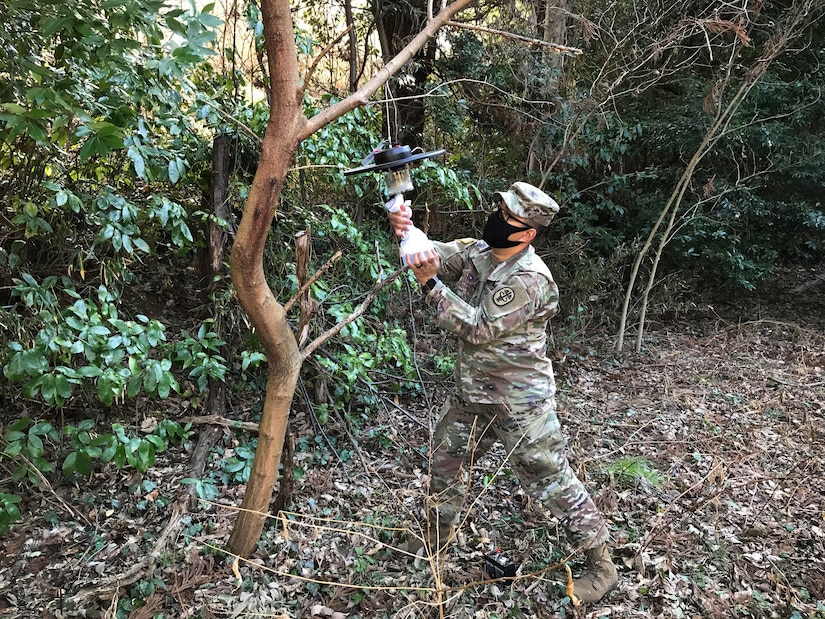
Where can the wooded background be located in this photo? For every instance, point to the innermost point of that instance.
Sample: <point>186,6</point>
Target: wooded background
<point>683,141</point>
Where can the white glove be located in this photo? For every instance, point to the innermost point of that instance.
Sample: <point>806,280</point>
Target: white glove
<point>394,205</point>
<point>414,241</point>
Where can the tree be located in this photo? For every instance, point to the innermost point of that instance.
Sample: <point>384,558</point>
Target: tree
<point>397,21</point>
<point>286,129</point>
<point>786,29</point>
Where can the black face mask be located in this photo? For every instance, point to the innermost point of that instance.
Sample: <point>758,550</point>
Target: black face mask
<point>497,231</point>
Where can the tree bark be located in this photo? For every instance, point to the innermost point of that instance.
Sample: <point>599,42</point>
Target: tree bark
<point>353,46</point>
<point>265,313</point>
<point>556,17</point>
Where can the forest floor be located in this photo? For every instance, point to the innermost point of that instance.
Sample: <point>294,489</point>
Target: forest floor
<point>704,451</point>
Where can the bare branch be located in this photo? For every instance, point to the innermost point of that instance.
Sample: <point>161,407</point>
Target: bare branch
<point>232,119</point>
<point>559,49</point>
<point>323,54</point>
<point>337,255</point>
<point>362,95</point>
<point>310,348</point>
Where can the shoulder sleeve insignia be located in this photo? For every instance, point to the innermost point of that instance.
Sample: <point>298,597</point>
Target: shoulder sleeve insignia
<point>505,300</point>
<point>503,296</point>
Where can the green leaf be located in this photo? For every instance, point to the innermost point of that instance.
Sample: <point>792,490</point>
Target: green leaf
<point>41,428</point>
<point>174,170</point>
<point>119,457</point>
<point>105,390</point>
<point>77,463</point>
<point>63,387</point>
<point>141,245</point>
<point>13,449</point>
<point>137,161</point>
<point>156,441</point>
<point>20,424</point>
<point>93,146</point>
<point>13,108</point>
<point>109,452</point>
<point>35,445</point>
<point>26,363</point>
<point>133,386</point>
<point>174,25</point>
<point>47,388</point>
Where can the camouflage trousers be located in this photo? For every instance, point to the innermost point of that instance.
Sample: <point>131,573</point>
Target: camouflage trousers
<point>533,439</point>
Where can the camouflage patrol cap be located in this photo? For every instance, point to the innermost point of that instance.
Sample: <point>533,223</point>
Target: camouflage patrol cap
<point>529,203</point>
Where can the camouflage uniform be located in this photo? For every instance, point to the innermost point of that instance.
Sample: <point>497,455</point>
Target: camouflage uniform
<point>505,389</point>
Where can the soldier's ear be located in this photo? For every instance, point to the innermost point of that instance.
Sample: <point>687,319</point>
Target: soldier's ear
<point>528,236</point>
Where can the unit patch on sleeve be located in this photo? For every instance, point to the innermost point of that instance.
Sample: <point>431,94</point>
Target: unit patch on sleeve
<point>503,296</point>
<point>505,300</point>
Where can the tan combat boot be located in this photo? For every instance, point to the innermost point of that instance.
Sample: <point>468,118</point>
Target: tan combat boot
<point>599,576</point>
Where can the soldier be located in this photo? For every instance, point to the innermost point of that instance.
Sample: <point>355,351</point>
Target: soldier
<point>498,307</point>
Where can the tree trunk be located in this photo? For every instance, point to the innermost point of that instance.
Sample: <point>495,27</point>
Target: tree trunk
<point>286,129</point>
<point>353,46</point>
<point>556,17</point>
<point>266,314</point>
<point>404,120</point>
<point>209,263</point>
<point>218,188</point>
<point>211,270</point>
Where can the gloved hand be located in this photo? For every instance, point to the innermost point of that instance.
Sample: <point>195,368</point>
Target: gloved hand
<point>415,246</point>
<point>413,243</point>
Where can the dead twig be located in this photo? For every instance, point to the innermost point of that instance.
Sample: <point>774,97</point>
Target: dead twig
<point>359,311</point>
<point>559,49</point>
<point>312,280</point>
<point>44,483</point>
<point>107,587</point>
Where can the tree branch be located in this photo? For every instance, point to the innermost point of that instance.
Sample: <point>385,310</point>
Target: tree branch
<point>323,53</point>
<point>312,280</point>
<point>310,348</point>
<point>559,49</point>
<point>232,119</point>
<point>362,95</point>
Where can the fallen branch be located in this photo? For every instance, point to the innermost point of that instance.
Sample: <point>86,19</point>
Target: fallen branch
<point>816,281</point>
<point>108,587</point>
<point>217,420</point>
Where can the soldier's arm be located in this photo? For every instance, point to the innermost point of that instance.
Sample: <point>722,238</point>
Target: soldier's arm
<point>453,257</point>
<point>513,302</point>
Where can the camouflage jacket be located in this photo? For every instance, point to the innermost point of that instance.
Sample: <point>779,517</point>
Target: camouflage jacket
<point>499,311</point>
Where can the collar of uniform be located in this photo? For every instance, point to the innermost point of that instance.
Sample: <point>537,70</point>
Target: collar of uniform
<point>486,264</point>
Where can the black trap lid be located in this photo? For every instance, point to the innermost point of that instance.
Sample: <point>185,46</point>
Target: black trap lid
<point>390,158</point>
